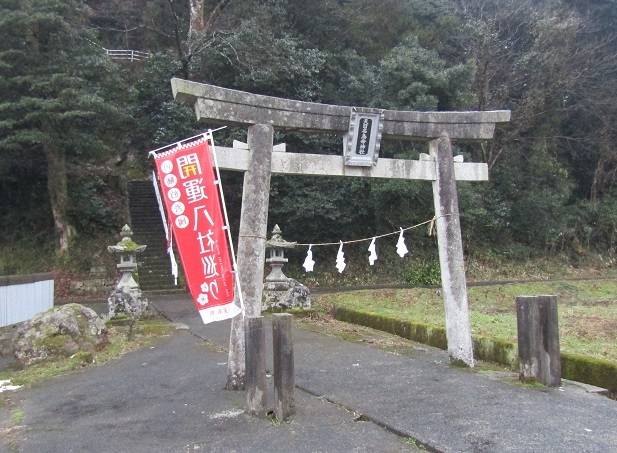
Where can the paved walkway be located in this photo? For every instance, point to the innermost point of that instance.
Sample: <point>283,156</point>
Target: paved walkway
<point>170,398</point>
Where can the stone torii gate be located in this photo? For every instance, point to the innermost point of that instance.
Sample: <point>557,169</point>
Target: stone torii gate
<point>262,114</point>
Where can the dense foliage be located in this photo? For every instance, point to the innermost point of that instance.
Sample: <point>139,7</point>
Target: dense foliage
<point>74,124</point>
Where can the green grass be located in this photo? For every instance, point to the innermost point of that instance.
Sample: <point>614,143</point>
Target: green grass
<point>587,310</point>
<point>26,256</point>
<point>17,416</point>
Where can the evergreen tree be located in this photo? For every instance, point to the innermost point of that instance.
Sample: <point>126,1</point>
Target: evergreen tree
<point>60,99</point>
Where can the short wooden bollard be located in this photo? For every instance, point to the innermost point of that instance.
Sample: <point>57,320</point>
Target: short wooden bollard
<point>284,381</point>
<point>538,339</point>
<point>255,361</point>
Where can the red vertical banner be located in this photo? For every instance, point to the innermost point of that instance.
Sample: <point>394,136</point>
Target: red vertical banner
<point>190,192</point>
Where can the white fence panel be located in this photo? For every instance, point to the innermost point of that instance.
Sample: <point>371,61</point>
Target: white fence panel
<point>23,296</point>
<point>125,54</point>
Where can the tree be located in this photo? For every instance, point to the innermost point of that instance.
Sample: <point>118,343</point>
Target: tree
<point>61,95</point>
<point>414,78</point>
<point>120,23</point>
<point>552,64</point>
<point>201,30</point>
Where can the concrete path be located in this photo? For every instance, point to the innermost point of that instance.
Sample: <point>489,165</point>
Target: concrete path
<point>170,399</point>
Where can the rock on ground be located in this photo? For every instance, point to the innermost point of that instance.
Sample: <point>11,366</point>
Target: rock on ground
<point>60,332</point>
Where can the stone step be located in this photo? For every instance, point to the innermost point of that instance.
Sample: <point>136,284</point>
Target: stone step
<point>147,226</point>
<point>162,292</point>
<point>149,211</point>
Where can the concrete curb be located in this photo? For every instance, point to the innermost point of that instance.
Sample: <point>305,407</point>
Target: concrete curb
<point>587,370</point>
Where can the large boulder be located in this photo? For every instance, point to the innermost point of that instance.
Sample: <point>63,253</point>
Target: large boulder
<point>60,332</point>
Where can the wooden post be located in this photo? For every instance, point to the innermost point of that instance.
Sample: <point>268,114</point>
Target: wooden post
<point>284,381</point>
<point>451,260</point>
<point>538,339</point>
<point>256,389</point>
<point>251,244</point>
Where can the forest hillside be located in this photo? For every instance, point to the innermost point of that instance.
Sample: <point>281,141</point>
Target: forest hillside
<point>77,124</point>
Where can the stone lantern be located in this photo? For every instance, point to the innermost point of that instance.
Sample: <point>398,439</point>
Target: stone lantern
<point>280,291</point>
<point>277,245</point>
<point>127,294</point>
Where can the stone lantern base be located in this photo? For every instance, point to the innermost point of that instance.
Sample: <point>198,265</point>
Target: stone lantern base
<point>286,295</point>
<point>127,300</point>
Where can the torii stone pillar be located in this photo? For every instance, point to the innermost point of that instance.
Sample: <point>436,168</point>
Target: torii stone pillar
<point>251,243</point>
<point>220,105</point>
<point>451,260</point>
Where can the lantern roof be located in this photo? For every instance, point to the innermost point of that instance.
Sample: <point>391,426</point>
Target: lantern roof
<point>277,241</point>
<point>126,245</point>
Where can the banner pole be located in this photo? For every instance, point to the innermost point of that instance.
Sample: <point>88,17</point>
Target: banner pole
<point>208,136</point>
<point>168,232</point>
<point>176,144</point>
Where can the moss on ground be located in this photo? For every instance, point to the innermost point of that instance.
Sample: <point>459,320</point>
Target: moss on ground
<point>147,332</point>
<point>589,370</point>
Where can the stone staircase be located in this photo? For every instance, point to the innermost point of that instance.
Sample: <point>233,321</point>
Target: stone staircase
<point>154,265</point>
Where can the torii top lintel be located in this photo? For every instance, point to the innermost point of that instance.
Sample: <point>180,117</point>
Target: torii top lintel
<point>222,105</point>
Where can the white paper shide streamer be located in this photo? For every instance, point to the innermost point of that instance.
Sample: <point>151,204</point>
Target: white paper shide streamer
<point>340,258</point>
<point>401,248</point>
<point>308,261</point>
<point>373,252</point>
